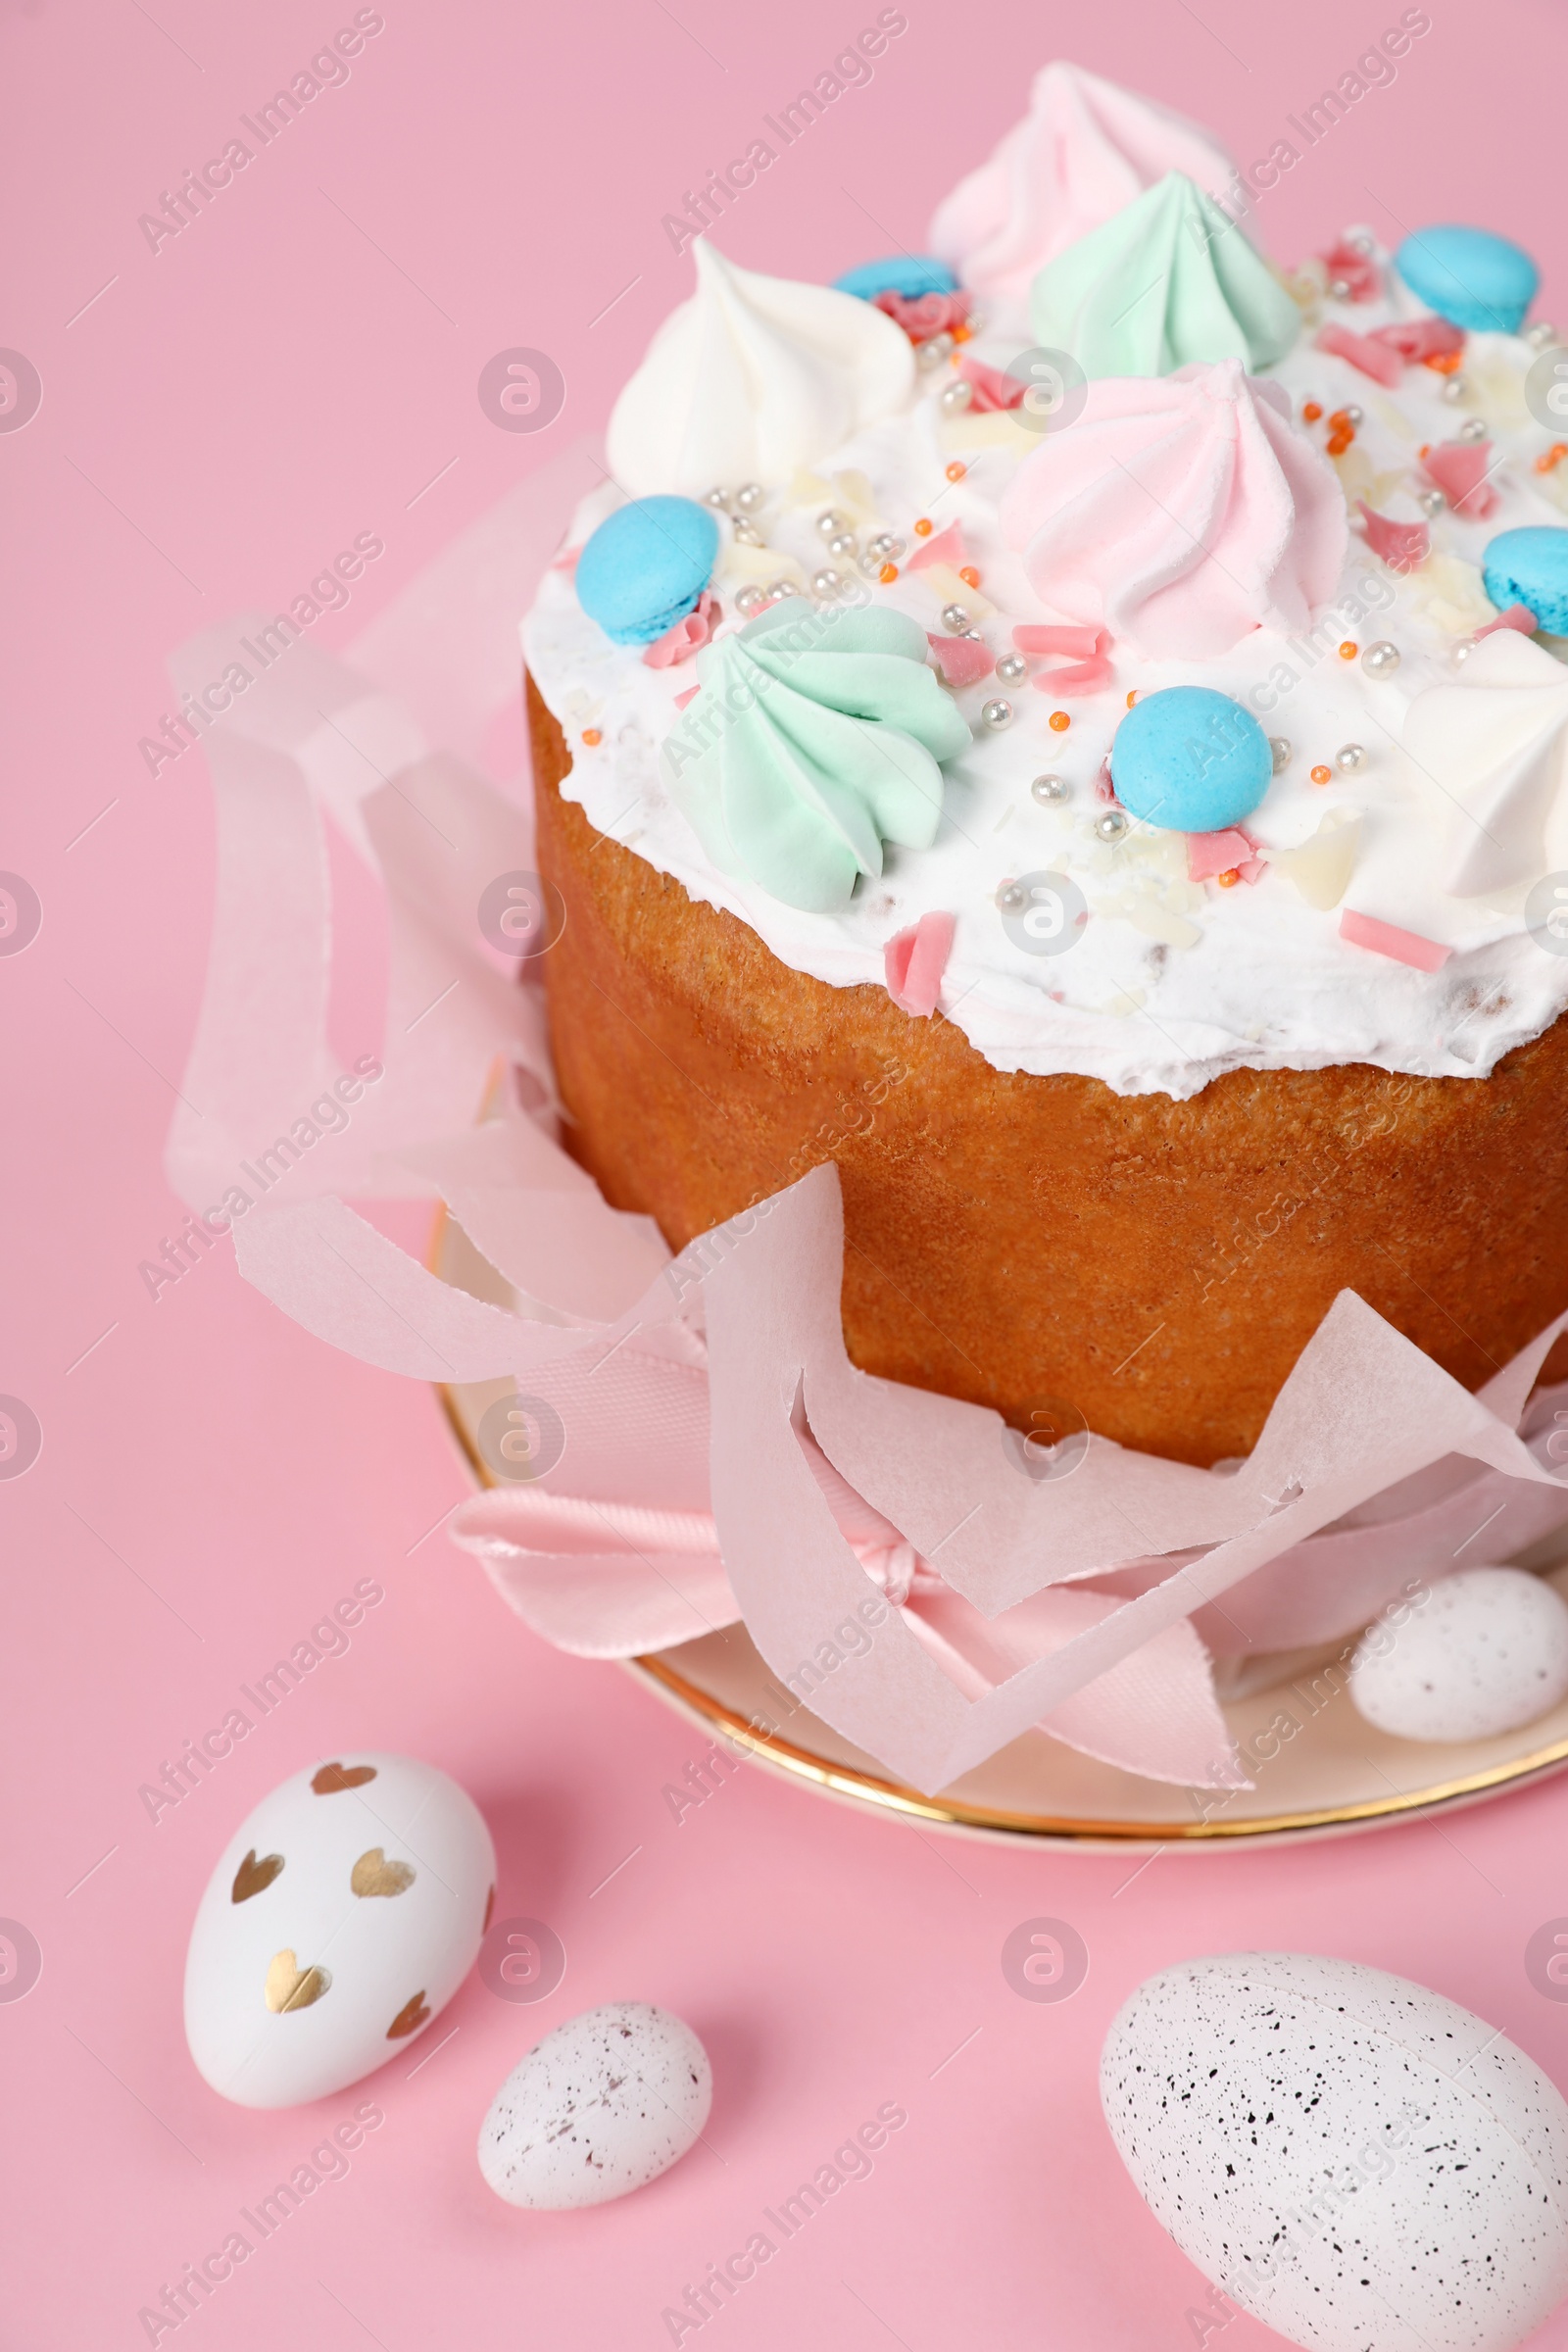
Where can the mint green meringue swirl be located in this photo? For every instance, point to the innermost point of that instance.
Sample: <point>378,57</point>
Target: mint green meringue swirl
<point>816,736</point>
<point>1165,281</point>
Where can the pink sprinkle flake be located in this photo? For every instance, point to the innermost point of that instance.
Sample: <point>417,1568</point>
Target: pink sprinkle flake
<point>1356,271</point>
<point>925,314</point>
<point>1401,545</point>
<point>567,560</point>
<point>1376,359</point>
<point>946,547</point>
<point>1517,617</point>
<point>1061,638</point>
<point>1421,338</point>
<point>993,390</point>
<point>1212,854</point>
<point>1387,939</point>
<point>691,631</point>
<point>962,660</point>
<point>914,961</point>
<point>1078,677</point>
<point>1461,471</point>
<point>690,696</point>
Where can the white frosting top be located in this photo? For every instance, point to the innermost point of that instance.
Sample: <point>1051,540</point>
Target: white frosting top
<point>1171,981</point>
<point>750,379</point>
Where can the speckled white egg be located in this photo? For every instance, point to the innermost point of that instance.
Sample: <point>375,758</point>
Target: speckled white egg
<point>604,2104</point>
<point>1357,2161</point>
<point>343,1916</point>
<point>1482,1653</point>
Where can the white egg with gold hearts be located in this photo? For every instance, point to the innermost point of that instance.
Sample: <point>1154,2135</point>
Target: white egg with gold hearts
<point>343,1915</point>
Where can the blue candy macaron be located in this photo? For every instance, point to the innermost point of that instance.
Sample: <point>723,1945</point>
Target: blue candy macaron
<point>646,566</point>
<point>1530,567</point>
<point>1190,760</point>
<point>910,274</point>
<point>1469,277</point>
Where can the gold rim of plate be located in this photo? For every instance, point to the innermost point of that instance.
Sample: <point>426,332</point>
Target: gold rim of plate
<point>669,1675</point>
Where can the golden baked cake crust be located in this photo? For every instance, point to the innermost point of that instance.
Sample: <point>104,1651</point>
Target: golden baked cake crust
<point>1044,1245</point>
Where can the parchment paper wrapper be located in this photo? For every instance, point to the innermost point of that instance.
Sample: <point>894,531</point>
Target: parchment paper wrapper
<point>902,1564</point>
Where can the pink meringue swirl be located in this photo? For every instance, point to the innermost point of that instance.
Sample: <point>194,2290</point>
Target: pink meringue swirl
<point>1181,512</point>
<point>1084,150</point>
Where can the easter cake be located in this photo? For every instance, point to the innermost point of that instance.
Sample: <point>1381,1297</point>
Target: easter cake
<point>1072,727</point>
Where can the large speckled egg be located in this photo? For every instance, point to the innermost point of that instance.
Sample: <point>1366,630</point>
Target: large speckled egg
<point>1480,1653</point>
<point>604,2104</point>
<point>1357,2161</point>
<point>342,1917</point>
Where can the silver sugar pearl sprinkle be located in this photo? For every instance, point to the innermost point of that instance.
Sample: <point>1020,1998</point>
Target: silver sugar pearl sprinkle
<point>1454,388</point>
<point>933,354</point>
<point>1111,824</point>
<point>1382,660</point>
<point>830,522</point>
<point>954,619</point>
<point>749,495</point>
<point>825,582</point>
<point>778,590</point>
<point>1339,288</point>
<point>841,544</point>
<point>895,548</point>
<point>1540,335</point>
<point>998,712</point>
<point>750,601</point>
<point>1051,791</point>
<point>715,498</point>
<point>1350,757</point>
<point>956,398</point>
<point>1472,429</point>
<point>1280,748</point>
<point>1431,501</point>
<point>1012,667</point>
<point>1360,240</point>
<point>1462,653</point>
<point>747,534</point>
<point>1355,415</point>
<point>880,549</point>
<point>1010,899</point>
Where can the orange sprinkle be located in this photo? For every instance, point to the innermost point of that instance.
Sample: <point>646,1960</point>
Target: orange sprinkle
<point>1553,456</point>
<point>1322,775</point>
<point>1338,443</point>
<point>1061,721</point>
<point>1132,696</point>
<point>922,529</point>
<point>1341,421</point>
<point>956,469</point>
<point>1445,362</point>
<point>1311,410</point>
<point>1348,650</point>
<point>590,736</point>
<point>1229,878</point>
<point>969,576</point>
<point>888,574</point>
<point>960,333</point>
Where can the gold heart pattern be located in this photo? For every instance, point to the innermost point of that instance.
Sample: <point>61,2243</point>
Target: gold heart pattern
<point>290,1986</point>
<point>253,1877</point>
<point>409,2019</point>
<point>334,1776</point>
<point>373,1874</point>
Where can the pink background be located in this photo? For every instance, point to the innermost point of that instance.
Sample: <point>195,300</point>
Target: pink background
<point>223,417</point>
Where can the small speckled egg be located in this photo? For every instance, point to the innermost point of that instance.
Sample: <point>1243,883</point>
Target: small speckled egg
<point>1357,2161</point>
<point>342,1917</point>
<point>604,2104</point>
<point>1486,1651</point>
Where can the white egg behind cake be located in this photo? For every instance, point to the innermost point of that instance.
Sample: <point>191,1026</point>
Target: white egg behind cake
<point>1357,2161</point>
<point>342,1917</point>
